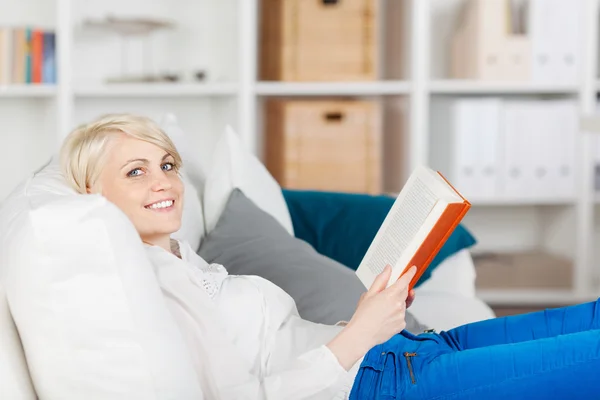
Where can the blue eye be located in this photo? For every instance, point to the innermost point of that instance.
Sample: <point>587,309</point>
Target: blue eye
<point>168,166</point>
<point>135,172</point>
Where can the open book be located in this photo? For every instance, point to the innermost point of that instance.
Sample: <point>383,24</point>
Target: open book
<point>420,221</point>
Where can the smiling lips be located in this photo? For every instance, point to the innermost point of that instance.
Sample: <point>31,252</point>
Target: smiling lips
<point>164,205</point>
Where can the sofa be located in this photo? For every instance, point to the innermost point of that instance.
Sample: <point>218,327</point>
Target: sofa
<point>81,314</point>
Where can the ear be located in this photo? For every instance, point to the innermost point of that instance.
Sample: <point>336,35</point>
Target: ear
<point>94,189</point>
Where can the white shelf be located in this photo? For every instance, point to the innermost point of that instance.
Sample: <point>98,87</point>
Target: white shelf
<point>508,202</point>
<point>528,297</point>
<point>377,88</point>
<point>451,86</point>
<point>129,26</point>
<point>157,90</point>
<point>541,201</point>
<point>13,91</point>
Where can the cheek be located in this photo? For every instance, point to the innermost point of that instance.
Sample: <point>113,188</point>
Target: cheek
<point>178,187</point>
<point>126,197</point>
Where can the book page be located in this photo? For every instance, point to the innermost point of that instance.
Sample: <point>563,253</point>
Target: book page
<point>400,227</point>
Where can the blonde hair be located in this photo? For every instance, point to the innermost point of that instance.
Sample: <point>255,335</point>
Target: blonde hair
<point>83,153</point>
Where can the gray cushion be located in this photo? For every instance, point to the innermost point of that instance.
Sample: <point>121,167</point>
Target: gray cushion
<point>248,241</point>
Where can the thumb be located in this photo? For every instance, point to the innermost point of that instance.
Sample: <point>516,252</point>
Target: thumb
<point>381,281</point>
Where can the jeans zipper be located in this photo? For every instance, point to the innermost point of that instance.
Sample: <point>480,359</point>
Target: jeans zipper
<point>408,357</point>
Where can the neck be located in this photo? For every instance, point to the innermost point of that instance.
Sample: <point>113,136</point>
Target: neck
<point>160,241</point>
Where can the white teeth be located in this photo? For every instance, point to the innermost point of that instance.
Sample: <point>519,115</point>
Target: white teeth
<point>162,204</point>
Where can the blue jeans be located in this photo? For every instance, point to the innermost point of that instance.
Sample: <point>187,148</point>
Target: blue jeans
<point>552,354</point>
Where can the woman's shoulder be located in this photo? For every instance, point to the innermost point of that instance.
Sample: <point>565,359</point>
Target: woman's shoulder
<point>242,283</point>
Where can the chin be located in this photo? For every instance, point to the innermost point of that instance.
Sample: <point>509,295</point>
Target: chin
<point>170,228</point>
<point>161,228</point>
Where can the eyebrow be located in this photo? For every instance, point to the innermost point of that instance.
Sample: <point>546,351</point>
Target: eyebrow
<point>143,160</point>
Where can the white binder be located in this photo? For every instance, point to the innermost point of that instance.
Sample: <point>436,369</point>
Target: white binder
<point>517,171</point>
<point>463,143</point>
<point>464,125</point>
<point>565,129</point>
<point>488,132</point>
<point>555,31</point>
<point>542,157</point>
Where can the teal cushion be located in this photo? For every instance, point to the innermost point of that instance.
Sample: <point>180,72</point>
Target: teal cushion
<point>341,226</point>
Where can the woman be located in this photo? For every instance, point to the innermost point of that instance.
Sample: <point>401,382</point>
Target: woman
<point>248,341</point>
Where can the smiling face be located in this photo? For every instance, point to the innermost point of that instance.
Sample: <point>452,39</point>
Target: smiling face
<point>142,180</point>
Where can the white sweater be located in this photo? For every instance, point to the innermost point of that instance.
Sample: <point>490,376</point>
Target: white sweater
<point>244,333</point>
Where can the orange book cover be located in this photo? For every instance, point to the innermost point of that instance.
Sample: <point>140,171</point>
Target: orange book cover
<point>37,55</point>
<point>442,230</point>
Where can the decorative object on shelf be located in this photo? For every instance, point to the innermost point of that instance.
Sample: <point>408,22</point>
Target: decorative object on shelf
<point>200,75</point>
<point>325,144</point>
<point>144,79</point>
<point>129,26</point>
<point>318,40</point>
<point>129,29</point>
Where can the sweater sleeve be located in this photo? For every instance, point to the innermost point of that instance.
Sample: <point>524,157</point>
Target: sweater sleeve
<point>315,374</point>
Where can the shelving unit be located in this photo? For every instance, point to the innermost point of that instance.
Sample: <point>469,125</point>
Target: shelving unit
<point>459,87</point>
<point>223,39</point>
<point>541,201</point>
<point>381,88</point>
<point>156,90</point>
<point>23,91</point>
<point>526,297</point>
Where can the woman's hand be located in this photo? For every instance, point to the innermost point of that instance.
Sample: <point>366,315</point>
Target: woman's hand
<point>409,300</point>
<point>379,315</point>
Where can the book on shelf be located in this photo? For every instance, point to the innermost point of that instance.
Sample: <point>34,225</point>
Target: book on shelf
<point>423,216</point>
<point>27,56</point>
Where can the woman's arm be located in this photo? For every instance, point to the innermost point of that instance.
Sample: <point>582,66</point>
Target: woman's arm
<point>224,374</point>
<point>319,373</point>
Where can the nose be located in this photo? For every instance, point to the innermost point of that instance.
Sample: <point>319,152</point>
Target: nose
<point>161,182</point>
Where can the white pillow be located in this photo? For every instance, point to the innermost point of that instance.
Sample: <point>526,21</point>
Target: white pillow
<point>447,299</point>
<point>235,167</point>
<point>85,298</point>
<point>192,224</point>
<point>15,383</point>
<point>444,311</point>
<point>192,218</point>
<point>455,275</point>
